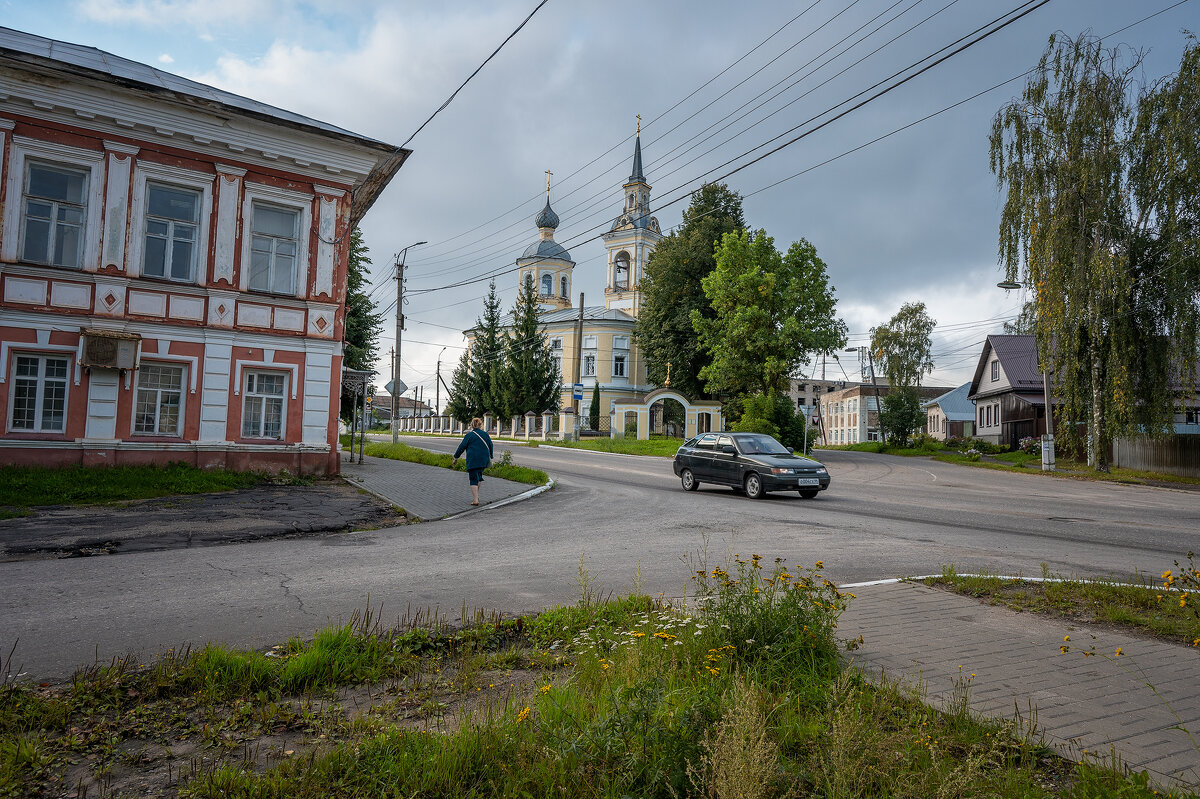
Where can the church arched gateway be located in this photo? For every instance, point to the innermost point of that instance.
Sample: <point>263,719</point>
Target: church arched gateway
<point>701,417</point>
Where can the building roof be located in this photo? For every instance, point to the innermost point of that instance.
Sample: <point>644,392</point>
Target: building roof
<point>547,217</point>
<point>636,175</point>
<point>955,405</point>
<point>123,70</point>
<point>39,52</point>
<point>547,248</point>
<point>1018,358</point>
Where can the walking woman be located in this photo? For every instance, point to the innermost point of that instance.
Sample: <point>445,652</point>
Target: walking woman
<point>479,449</point>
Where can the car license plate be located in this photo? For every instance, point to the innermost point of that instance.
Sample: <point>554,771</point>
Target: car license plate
<point>808,481</point>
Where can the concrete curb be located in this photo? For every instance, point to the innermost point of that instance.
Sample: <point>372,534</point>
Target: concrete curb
<point>894,580</point>
<point>377,495</point>
<point>524,495</point>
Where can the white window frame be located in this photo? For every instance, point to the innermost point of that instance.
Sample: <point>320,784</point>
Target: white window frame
<point>288,200</point>
<point>589,365</point>
<point>546,276</point>
<point>620,349</point>
<point>995,371</point>
<point>24,149</point>
<point>183,392</point>
<point>40,391</point>
<point>149,172</point>
<point>247,395</point>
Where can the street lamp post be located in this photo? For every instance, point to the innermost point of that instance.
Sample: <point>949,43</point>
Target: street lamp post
<point>1047,439</point>
<point>399,327</point>
<point>437,386</point>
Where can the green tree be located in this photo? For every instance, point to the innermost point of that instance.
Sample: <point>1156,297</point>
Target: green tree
<point>903,346</point>
<point>477,388</point>
<point>901,415</point>
<point>671,289</point>
<point>529,379</point>
<point>773,414</point>
<point>363,321</point>
<point>771,313</point>
<point>1101,185</point>
<point>594,410</point>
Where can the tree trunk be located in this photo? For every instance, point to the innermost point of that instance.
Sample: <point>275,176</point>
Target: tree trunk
<point>1098,433</point>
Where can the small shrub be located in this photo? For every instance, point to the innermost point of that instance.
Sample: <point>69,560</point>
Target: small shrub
<point>1030,445</point>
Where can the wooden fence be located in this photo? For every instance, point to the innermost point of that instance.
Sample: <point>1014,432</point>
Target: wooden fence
<point>1174,455</point>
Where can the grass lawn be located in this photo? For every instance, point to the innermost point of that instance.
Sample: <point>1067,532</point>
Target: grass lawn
<point>403,452</point>
<point>663,447</point>
<point>23,487</point>
<point>746,696</point>
<point>1168,611</point>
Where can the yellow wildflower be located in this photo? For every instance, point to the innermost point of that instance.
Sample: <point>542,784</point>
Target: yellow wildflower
<point>524,714</point>
<point>1063,649</point>
<point>820,564</point>
<point>1066,638</point>
<point>545,689</point>
<point>1119,652</point>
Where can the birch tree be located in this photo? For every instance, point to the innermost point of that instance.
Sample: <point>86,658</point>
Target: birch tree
<point>1102,191</point>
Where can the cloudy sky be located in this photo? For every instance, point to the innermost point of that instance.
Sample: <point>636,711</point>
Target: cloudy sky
<point>910,217</point>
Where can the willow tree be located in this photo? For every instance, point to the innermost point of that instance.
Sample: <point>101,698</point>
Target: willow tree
<point>1100,222</point>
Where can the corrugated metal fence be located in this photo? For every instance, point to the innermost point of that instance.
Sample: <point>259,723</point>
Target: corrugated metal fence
<point>1174,455</point>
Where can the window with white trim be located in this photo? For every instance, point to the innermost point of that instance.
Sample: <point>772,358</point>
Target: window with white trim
<point>264,401</point>
<point>274,245</point>
<point>158,402</point>
<point>620,355</point>
<point>39,393</point>
<point>556,352</point>
<point>53,210</point>
<point>995,371</point>
<point>589,364</point>
<point>547,284</point>
<point>172,227</point>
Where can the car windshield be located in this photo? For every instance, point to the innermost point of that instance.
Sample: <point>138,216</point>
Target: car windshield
<point>761,445</point>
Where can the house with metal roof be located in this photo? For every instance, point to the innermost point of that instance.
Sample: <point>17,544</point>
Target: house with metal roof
<point>173,262</point>
<point>1007,390</point>
<point>952,415</point>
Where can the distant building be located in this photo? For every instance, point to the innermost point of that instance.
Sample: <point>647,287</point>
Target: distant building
<point>1007,391</point>
<point>173,263</point>
<point>851,415</point>
<point>951,415</point>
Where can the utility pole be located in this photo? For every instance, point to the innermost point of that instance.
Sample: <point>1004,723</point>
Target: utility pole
<point>437,386</point>
<point>399,328</point>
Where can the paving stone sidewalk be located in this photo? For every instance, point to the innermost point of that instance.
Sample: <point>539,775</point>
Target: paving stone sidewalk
<point>1093,704</point>
<point>427,492</point>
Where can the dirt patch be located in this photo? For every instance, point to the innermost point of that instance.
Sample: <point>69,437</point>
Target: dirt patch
<point>176,522</point>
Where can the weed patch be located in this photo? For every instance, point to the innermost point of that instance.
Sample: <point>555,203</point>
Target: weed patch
<point>32,486</point>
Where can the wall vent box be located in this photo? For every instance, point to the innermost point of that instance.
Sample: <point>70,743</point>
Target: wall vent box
<point>110,349</point>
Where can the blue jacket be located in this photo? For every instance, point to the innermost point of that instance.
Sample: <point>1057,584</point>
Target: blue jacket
<point>479,449</point>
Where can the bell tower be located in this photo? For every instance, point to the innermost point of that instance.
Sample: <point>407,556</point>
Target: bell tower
<point>633,236</point>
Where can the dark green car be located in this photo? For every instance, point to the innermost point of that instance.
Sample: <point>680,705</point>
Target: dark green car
<point>752,462</point>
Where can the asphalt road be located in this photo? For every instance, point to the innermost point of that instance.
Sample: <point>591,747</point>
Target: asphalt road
<point>629,520</point>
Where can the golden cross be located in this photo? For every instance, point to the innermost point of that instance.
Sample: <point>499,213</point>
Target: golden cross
<point>548,174</point>
<point>668,383</point>
<point>639,125</point>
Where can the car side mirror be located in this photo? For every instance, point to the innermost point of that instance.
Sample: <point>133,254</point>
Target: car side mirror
<point>792,450</point>
<point>729,449</point>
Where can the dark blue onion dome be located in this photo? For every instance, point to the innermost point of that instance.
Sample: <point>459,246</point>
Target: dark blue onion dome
<point>547,217</point>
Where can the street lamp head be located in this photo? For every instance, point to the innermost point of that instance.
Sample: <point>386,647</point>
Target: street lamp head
<point>1008,285</point>
<point>852,349</point>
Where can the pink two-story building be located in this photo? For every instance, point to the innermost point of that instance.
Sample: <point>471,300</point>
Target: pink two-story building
<point>173,264</point>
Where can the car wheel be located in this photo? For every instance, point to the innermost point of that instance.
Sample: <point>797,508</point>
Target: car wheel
<point>688,480</point>
<point>807,494</point>
<point>754,486</point>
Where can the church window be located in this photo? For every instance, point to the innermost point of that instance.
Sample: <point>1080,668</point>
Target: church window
<point>562,286</point>
<point>547,285</point>
<point>618,365</point>
<point>620,356</point>
<point>621,271</point>
<point>589,365</point>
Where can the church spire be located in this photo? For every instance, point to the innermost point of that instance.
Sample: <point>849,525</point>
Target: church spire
<point>637,176</point>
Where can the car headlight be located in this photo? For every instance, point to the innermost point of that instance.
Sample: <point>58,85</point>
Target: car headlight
<point>781,471</point>
<point>822,470</point>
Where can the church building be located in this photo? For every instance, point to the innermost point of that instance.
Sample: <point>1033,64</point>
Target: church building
<point>609,355</point>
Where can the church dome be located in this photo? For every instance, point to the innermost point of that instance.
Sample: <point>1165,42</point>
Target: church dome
<point>547,248</point>
<point>547,217</point>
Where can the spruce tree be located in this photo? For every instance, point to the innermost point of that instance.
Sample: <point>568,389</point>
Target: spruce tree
<point>460,404</point>
<point>594,411</point>
<point>476,382</point>
<point>529,380</point>
<point>363,322</point>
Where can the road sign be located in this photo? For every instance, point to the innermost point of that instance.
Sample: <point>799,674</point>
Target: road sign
<point>577,391</point>
<point>401,384</point>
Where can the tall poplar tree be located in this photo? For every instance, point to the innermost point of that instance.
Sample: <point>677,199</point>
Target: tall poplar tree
<point>903,347</point>
<point>529,379</point>
<point>1102,183</point>
<point>671,289</point>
